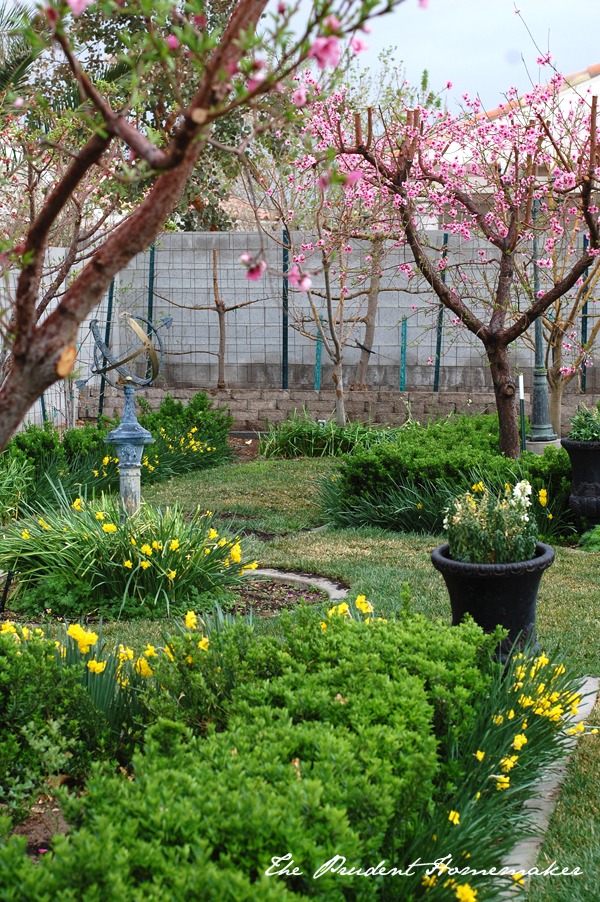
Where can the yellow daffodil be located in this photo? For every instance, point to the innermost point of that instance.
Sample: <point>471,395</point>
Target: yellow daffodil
<point>99,516</point>
<point>543,497</point>
<point>236,553</point>
<point>44,525</point>
<point>480,755</point>
<point>145,549</point>
<point>128,564</point>
<point>172,574</point>
<point>454,818</point>
<point>213,534</point>
<point>519,741</point>
<point>203,644</point>
<point>191,620</point>
<point>25,534</point>
<point>174,546</point>
<point>143,668</point>
<point>96,666</point>
<point>145,564</point>
<point>109,527</point>
<point>150,651</point>
<point>464,893</point>
<point>78,504</point>
<point>502,782</point>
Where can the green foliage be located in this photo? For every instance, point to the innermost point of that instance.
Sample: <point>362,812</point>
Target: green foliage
<point>48,722</point>
<point>443,450</point>
<point>585,424</point>
<point>212,424</point>
<point>591,540</point>
<point>358,740</point>
<point>302,436</point>
<point>35,442</point>
<point>406,484</point>
<point>16,479</point>
<point>153,558</point>
<point>490,529</point>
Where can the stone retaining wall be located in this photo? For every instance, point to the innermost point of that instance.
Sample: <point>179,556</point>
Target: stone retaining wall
<point>253,408</point>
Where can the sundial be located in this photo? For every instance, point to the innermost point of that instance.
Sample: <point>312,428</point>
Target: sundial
<point>136,367</point>
<point>142,356</point>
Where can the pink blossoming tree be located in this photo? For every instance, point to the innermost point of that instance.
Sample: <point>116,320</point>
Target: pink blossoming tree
<point>478,177</point>
<point>233,69</point>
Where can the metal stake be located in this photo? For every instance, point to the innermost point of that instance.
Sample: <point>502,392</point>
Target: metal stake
<point>541,423</point>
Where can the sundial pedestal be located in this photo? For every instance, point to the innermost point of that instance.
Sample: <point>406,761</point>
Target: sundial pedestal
<point>128,440</point>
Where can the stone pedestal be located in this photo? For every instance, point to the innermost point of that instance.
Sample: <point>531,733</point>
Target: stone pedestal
<point>128,440</point>
<point>540,447</point>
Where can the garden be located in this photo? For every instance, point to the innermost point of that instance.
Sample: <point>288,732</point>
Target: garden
<point>331,660</point>
<point>187,749</point>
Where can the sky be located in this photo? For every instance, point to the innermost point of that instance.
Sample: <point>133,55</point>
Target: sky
<point>480,45</point>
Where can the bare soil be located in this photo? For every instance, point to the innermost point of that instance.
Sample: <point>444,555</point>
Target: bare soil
<point>266,598</point>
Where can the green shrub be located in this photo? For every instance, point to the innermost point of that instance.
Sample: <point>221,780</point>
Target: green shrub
<point>368,740</point>
<point>16,480</point>
<point>211,424</point>
<point>302,436</point>
<point>36,442</point>
<point>154,557</point>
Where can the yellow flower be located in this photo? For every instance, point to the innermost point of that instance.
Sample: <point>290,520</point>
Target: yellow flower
<point>157,545</point>
<point>44,525</point>
<point>109,527</point>
<point>519,741</point>
<point>127,564</point>
<point>543,497</point>
<point>510,714</point>
<point>464,893</point>
<point>96,666</point>
<point>429,881</point>
<point>502,782</point>
<point>150,651</point>
<point>142,667</point>
<point>99,516</point>
<point>78,504</point>
<point>203,644</point>
<point>172,574</point>
<point>95,473</point>
<point>508,763</point>
<point>236,553</point>
<point>341,609</point>
<point>174,546</point>
<point>213,534</point>
<point>125,653</point>
<point>363,605</point>
<point>133,542</point>
<point>191,620</point>
<point>323,625</point>
<point>169,653</point>
<point>454,818</point>
<point>209,513</point>
<point>518,878</point>
<point>419,505</point>
<point>207,551</point>
<point>145,549</point>
<point>105,460</point>
<point>144,565</point>
<point>498,719</point>
<point>25,534</point>
<point>480,755</point>
<point>82,637</point>
<point>550,517</point>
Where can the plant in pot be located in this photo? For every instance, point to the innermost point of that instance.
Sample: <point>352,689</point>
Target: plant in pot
<point>583,447</point>
<point>492,563</point>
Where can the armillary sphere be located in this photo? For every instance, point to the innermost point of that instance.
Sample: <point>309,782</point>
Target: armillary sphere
<point>150,355</point>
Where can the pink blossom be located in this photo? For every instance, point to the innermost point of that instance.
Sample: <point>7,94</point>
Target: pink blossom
<point>255,270</point>
<point>366,28</point>
<point>19,102</point>
<point>299,280</point>
<point>246,257</point>
<point>332,23</point>
<point>423,4</point>
<point>78,6</point>
<point>544,60</point>
<point>256,80</point>
<point>357,175</point>
<point>326,51</point>
<point>448,84</point>
<point>199,20</point>
<point>299,96</point>
<point>173,42</point>
<point>358,45</point>
<point>281,9</point>
<point>429,361</point>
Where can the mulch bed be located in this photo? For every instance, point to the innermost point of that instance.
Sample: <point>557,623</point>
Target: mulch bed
<point>243,449</point>
<point>265,598</point>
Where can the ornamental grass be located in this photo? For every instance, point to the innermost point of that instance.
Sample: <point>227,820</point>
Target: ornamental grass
<point>155,557</point>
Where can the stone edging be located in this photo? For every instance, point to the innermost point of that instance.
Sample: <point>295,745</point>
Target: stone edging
<point>336,590</point>
<point>526,852</point>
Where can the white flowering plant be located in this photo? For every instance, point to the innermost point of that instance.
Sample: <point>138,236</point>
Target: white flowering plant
<point>483,528</point>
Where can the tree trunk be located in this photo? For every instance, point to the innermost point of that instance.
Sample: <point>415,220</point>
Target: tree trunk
<point>369,320</point>
<point>506,399</point>
<point>556,393</point>
<point>338,381</point>
<point>221,311</point>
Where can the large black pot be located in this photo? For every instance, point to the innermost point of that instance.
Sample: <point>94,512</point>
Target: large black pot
<point>585,486</point>
<point>493,594</point>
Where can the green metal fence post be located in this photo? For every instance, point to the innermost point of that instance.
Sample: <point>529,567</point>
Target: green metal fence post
<point>285,318</point>
<point>403,356</point>
<point>440,322</point>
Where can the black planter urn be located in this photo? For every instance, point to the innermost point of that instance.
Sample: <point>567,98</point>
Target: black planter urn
<point>585,486</point>
<point>495,594</point>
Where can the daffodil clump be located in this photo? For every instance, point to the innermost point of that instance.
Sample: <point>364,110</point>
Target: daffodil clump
<point>484,529</point>
<point>155,557</point>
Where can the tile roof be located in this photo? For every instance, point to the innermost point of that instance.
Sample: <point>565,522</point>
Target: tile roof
<point>569,81</point>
